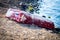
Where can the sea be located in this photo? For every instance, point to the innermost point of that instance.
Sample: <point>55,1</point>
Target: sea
<point>50,8</point>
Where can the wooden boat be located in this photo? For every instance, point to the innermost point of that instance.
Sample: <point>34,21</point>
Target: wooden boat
<point>26,18</point>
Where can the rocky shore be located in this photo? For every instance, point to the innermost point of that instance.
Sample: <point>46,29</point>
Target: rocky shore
<point>11,30</point>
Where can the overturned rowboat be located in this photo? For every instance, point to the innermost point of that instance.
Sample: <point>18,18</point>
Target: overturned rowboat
<point>27,18</point>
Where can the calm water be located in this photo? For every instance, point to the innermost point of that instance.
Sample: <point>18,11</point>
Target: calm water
<point>51,8</point>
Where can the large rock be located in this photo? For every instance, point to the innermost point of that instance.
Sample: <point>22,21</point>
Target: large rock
<point>10,30</point>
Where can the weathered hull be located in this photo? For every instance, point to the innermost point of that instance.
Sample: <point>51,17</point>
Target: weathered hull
<point>23,17</point>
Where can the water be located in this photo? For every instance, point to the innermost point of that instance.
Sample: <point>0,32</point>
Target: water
<point>50,8</point>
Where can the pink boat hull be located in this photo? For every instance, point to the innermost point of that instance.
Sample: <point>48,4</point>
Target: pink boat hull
<point>28,19</point>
